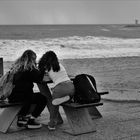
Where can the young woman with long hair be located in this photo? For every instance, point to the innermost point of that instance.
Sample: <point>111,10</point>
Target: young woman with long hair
<point>63,87</point>
<point>26,73</point>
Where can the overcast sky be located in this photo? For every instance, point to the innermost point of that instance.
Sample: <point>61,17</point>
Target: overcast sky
<point>69,11</point>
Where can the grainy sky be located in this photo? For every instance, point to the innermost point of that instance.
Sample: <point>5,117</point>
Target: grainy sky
<point>69,11</point>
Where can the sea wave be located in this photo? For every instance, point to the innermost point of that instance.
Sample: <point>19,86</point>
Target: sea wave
<point>72,47</point>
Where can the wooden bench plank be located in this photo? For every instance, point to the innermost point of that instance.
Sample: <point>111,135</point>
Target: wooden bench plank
<point>77,105</point>
<point>4,104</point>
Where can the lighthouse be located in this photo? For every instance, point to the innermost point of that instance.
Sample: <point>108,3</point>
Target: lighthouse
<point>136,22</point>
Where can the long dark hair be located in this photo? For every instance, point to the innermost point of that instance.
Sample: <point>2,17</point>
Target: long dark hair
<point>49,60</point>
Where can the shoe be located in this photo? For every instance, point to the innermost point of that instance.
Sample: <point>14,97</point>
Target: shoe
<point>61,100</point>
<point>51,126</point>
<point>32,124</point>
<point>22,121</point>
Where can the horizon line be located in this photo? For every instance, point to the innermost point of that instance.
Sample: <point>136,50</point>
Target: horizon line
<point>78,24</point>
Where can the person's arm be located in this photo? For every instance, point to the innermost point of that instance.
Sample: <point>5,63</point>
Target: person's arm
<point>36,76</point>
<point>46,77</point>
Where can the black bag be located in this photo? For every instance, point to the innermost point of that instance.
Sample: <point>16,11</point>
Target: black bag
<point>85,89</point>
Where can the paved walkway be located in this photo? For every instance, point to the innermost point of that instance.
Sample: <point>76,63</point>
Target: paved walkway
<point>121,121</point>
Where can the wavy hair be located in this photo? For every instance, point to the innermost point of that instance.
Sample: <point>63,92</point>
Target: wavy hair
<point>49,61</point>
<point>27,61</point>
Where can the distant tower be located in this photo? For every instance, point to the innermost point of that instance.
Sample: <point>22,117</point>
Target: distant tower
<point>136,21</point>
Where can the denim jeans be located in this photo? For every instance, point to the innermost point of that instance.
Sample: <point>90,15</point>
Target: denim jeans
<point>63,89</point>
<point>53,110</point>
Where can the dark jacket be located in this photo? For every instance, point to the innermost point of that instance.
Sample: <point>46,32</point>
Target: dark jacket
<point>23,82</point>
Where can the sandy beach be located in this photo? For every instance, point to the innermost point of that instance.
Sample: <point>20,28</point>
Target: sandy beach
<point>118,75</point>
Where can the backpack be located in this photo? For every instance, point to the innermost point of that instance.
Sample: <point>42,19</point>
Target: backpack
<point>6,84</point>
<point>85,89</point>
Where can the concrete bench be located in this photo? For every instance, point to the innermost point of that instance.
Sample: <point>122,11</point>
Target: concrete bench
<point>9,110</point>
<point>93,111</point>
<point>79,119</point>
<point>8,114</point>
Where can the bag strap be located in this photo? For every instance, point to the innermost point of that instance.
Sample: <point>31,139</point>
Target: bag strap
<point>90,83</point>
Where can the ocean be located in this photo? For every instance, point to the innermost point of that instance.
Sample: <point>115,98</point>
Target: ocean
<point>70,41</point>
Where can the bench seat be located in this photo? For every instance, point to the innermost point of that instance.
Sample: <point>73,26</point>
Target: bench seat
<point>8,114</point>
<point>103,93</point>
<point>77,105</point>
<point>4,104</point>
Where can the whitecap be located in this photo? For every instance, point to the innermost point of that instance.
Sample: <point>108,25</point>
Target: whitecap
<point>74,47</point>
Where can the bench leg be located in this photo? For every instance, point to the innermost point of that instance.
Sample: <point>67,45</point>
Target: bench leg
<point>94,113</point>
<point>79,121</point>
<point>7,116</point>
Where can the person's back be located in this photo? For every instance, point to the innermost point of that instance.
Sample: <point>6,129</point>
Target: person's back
<point>59,76</point>
<point>23,84</point>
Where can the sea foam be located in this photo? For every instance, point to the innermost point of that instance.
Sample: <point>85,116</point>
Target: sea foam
<point>72,47</point>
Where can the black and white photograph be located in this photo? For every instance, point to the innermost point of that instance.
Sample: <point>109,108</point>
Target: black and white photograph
<point>69,69</point>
